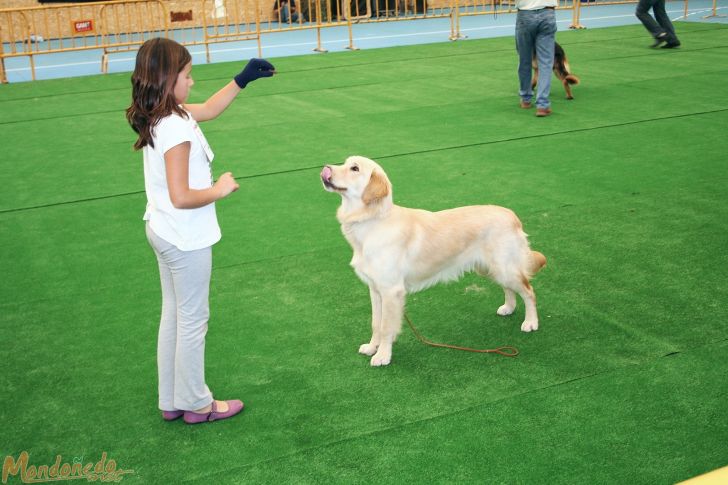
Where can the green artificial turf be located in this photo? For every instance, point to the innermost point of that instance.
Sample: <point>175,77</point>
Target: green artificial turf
<point>623,189</point>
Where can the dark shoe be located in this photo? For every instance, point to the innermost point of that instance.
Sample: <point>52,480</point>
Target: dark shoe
<point>172,415</point>
<point>234,407</point>
<point>659,40</point>
<point>525,104</point>
<point>671,44</point>
<point>541,112</point>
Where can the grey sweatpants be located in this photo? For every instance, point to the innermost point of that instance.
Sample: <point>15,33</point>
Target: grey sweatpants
<point>185,277</point>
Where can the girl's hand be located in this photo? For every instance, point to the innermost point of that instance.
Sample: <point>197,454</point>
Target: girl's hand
<point>226,185</point>
<point>255,69</point>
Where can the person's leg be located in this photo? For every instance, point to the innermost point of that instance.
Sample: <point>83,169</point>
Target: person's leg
<point>643,13</point>
<point>186,278</point>
<point>664,21</point>
<point>525,26</point>
<point>191,275</point>
<point>167,337</point>
<point>545,39</point>
<point>285,13</point>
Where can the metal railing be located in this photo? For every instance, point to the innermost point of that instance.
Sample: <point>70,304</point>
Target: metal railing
<point>123,25</point>
<point>580,4</point>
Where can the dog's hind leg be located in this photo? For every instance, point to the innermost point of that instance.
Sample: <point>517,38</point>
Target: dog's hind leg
<point>525,290</point>
<point>513,284</point>
<point>392,312</point>
<point>567,88</point>
<point>371,347</point>
<point>510,304</point>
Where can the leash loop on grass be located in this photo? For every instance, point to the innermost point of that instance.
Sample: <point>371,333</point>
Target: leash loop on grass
<point>505,350</point>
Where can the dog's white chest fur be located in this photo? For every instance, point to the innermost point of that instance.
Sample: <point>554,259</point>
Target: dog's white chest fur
<point>367,240</point>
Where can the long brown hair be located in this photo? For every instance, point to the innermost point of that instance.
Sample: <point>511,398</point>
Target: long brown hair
<point>158,63</point>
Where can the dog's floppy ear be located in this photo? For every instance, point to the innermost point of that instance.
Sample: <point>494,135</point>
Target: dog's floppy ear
<point>376,190</point>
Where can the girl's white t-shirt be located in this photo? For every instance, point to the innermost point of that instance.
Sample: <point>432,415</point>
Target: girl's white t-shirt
<point>187,229</point>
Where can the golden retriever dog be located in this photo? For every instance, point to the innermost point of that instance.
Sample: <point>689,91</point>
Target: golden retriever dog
<point>561,69</point>
<point>399,250</point>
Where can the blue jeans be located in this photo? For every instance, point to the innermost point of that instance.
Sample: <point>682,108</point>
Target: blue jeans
<point>536,31</point>
<point>286,14</point>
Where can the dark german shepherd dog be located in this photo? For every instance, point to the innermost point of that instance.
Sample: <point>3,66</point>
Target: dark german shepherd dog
<point>561,69</point>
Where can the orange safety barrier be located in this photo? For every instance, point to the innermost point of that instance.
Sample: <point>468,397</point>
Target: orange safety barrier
<point>123,25</point>
<point>13,25</point>
<point>714,12</point>
<point>579,4</point>
<point>126,25</point>
<point>465,8</point>
<point>107,26</point>
<point>309,15</point>
<point>469,8</point>
<point>229,21</point>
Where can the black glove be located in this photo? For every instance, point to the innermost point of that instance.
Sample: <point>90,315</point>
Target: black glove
<point>256,68</point>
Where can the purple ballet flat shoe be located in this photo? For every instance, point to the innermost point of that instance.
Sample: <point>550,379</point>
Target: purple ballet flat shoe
<point>234,407</point>
<point>172,415</point>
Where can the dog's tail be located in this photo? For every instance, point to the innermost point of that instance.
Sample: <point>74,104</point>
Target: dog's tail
<point>571,79</point>
<point>538,261</point>
<point>561,65</point>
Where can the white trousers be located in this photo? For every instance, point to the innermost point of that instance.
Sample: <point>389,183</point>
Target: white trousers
<point>185,277</point>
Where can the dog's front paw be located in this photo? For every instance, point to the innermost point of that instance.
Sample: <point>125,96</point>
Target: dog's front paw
<point>527,326</point>
<point>367,349</point>
<point>505,310</point>
<point>381,358</point>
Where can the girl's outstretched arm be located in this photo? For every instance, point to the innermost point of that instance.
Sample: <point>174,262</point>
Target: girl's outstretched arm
<point>218,102</point>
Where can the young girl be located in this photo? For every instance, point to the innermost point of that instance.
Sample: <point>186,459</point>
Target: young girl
<point>181,224</point>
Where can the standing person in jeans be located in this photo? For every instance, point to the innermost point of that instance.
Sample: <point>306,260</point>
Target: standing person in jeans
<point>536,34</point>
<point>661,29</point>
<point>181,222</point>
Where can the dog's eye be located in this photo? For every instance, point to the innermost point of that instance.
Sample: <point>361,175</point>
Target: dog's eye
<point>354,168</point>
